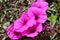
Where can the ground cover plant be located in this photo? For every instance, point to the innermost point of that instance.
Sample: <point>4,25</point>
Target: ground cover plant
<point>10,10</point>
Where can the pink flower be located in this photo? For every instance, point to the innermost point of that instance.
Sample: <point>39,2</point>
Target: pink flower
<point>30,23</point>
<point>39,0</point>
<point>40,4</point>
<point>33,31</point>
<point>12,33</point>
<point>38,14</point>
<point>24,22</point>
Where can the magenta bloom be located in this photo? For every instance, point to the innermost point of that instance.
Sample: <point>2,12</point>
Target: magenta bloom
<point>15,31</point>
<point>24,22</point>
<point>30,23</point>
<point>40,4</point>
<point>33,31</point>
<point>39,15</point>
<point>12,33</point>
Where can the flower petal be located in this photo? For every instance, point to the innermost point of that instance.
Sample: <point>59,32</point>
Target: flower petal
<point>39,28</point>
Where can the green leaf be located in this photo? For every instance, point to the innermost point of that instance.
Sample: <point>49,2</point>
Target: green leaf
<point>52,19</point>
<point>59,38</point>
<point>22,0</point>
<point>5,25</point>
<point>1,0</point>
<point>4,38</point>
<point>58,5</point>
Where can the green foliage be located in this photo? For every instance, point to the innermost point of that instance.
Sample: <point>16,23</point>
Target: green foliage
<point>53,19</point>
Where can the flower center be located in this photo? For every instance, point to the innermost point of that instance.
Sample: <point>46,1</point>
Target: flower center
<point>32,31</point>
<point>17,33</point>
<point>25,22</point>
<point>36,17</point>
